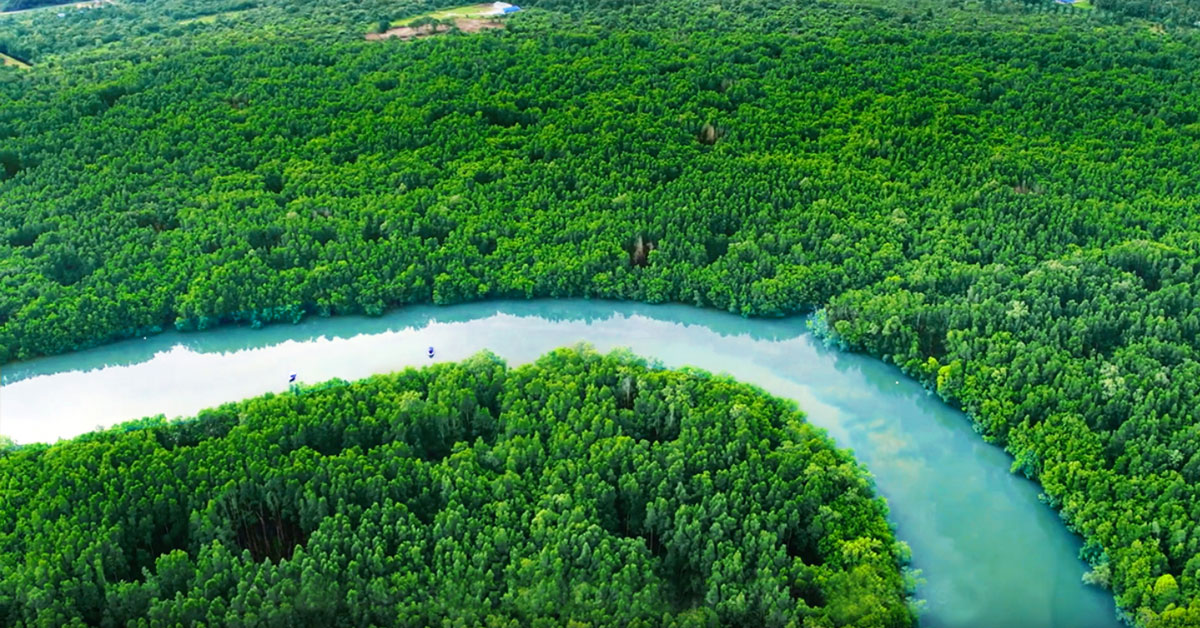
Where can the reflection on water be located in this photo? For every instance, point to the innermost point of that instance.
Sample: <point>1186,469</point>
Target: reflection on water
<point>991,554</point>
<point>239,338</point>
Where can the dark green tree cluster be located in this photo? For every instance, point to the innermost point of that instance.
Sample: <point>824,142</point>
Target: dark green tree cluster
<point>582,490</point>
<point>19,5</point>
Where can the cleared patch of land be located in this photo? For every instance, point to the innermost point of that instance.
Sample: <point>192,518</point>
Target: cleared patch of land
<point>211,19</point>
<point>467,25</point>
<point>470,10</point>
<point>13,61</point>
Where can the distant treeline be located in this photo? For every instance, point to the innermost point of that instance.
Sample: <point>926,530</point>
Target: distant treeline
<point>582,490</point>
<point>19,5</point>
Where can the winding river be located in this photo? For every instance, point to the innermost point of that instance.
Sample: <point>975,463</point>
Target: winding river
<point>991,554</point>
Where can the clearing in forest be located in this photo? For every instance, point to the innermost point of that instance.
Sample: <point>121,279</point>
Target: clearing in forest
<point>210,18</point>
<point>468,11</point>
<point>467,25</point>
<point>471,18</point>
<point>13,61</point>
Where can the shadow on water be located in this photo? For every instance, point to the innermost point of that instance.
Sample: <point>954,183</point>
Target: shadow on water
<point>234,338</point>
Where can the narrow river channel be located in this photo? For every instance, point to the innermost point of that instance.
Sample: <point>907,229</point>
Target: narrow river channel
<point>991,554</point>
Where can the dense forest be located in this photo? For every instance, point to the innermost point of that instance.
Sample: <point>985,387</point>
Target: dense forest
<point>583,488</point>
<point>1001,198</point>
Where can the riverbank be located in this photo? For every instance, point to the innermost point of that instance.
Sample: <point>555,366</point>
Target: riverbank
<point>990,552</point>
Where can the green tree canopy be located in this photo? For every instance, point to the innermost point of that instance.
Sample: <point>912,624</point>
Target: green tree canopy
<point>581,490</point>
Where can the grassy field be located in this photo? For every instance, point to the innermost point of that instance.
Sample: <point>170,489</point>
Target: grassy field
<point>470,10</point>
<point>7,60</point>
<point>211,19</point>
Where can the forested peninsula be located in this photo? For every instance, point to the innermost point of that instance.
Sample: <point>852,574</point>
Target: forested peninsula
<point>581,490</point>
<point>999,197</point>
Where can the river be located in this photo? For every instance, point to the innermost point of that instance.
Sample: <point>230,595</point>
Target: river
<point>991,554</point>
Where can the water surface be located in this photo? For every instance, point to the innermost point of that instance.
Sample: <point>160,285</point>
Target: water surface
<point>992,555</point>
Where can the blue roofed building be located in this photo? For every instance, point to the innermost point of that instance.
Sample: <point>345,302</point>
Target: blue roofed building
<point>503,8</point>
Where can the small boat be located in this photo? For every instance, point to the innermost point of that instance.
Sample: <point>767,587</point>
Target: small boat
<point>431,352</point>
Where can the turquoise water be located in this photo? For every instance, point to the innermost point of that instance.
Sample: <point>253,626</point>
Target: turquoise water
<point>991,554</point>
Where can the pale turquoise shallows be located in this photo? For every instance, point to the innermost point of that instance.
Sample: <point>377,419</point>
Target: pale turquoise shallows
<point>992,555</point>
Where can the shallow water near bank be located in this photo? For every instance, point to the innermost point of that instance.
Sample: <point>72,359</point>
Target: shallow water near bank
<point>992,555</point>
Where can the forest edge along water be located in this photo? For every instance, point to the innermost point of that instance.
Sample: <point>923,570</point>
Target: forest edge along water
<point>990,553</point>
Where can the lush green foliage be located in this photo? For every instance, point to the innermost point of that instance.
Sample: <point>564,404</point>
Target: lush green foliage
<point>1087,369</point>
<point>760,174</point>
<point>583,487</point>
<point>1003,202</point>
